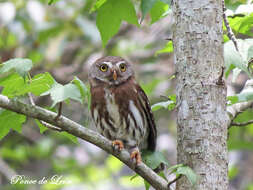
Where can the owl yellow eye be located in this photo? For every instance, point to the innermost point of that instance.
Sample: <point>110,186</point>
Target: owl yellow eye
<point>122,67</point>
<point>103,68</point>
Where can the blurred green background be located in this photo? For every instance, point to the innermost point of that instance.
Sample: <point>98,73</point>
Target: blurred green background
<point>63,39</point>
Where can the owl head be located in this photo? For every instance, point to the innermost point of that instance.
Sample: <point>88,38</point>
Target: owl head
<point>110,70</point>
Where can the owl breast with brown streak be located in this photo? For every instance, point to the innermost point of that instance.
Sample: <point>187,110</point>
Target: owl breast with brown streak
<point>117,114</point>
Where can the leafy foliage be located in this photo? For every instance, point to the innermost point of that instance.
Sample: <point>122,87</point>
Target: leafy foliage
<point>111,14</point>
<point>185,170</point>
<point>50,2</point>
<point>14,85</point>
<point>146,6</point>
<point>235,59</point>
<point>167,49</point>
<point>154,159</point>
<point>21,66</point>
<point>243,24</point>
<point>158,11</point>
<point>41,84</point>
<point>10,120</point>
<point>60,93</point>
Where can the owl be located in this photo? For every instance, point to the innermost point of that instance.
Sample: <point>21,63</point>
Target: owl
<point>119,107</point>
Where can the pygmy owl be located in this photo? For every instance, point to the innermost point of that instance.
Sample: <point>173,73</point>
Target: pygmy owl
<point>120,108</point>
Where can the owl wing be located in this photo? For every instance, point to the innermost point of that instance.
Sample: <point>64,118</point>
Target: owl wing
<point>150,118</point>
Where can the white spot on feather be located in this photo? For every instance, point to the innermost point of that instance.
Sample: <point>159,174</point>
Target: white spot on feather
<point>109,64</point>
<point>136,114</point>
<point>120,62</point>
<point>112,107</point>
<point>95,115</point>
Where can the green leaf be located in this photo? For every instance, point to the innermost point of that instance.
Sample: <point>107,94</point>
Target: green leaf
<point>10,120</point>
<point>69,136</point>
<point>246,25</point>
<point>242,24</point>
<point>147,185</point>
<point>20,65</point>
<point>153,159</point>
<point>81,86</point>
<point>189,173</point>
<point>244,96</point>
<point>167,49</point>
<point>232,99</point>
<point>146,6</point>
<point>185,170</point>
<point>234,59</point>
<point>111,14</point>
<point>175,167</point>
<point>41,126</point>
<point>14,85</point>
<point>97,5</point>
<point>158,11</point>
<point>60,93</point>
<point>50,2</point>
<point>245,116</point>
<point>40,83</point>
<point>233,4</point>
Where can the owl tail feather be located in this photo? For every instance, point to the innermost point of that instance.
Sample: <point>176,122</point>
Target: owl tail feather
<point>151,142</point>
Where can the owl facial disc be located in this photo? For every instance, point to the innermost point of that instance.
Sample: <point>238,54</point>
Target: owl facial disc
<point>110,70</point>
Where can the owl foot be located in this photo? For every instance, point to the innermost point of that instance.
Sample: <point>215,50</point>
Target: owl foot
<point>136,155</point>
<point>118,144</point>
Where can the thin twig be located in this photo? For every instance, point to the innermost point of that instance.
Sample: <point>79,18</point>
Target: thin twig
<point>59,111</point>
<point>230,33</point>
<point>86,134</point>
<point>243,124</point>
<point>174,180</point>
<point>47,125</point>
<point>235,109</point>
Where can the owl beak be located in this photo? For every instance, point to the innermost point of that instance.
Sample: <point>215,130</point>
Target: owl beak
<point>114,75</point>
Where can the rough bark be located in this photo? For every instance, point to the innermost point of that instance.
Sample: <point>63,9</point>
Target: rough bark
<point>202,118</point>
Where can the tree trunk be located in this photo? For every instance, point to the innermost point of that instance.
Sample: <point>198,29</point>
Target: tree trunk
<point>202,119</point>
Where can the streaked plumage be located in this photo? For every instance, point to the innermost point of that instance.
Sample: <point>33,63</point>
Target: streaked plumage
<point>119,107</point>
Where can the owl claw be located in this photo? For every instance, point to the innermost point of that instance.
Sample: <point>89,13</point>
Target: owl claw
<point>118,144</point>
<point>136,155</point>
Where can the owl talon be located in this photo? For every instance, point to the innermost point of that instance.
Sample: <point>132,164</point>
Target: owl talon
<point>118,144</point>
<point>136,155</point>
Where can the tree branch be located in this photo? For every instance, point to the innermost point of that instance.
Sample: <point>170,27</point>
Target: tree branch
<point>238,108</point>
<point>243,124</point>
<point>230,33</point>
<point>6,170</point>
<point>47,125</point>
<point>86,134</point>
